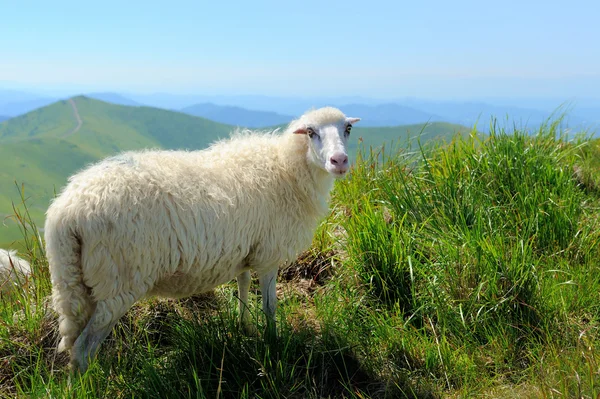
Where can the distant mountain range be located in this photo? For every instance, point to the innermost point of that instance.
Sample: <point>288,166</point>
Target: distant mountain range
<point>237,116</point>
<point>580,114</point>
<point>471,113</point>
<point>43,147</point>
<point>114,98</point>
<point>389,114</point>
<point>3,118</point>
<point>17,108</point>
<point>264,111</point>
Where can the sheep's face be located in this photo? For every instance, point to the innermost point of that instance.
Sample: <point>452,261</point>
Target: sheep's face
<point>327,145</point>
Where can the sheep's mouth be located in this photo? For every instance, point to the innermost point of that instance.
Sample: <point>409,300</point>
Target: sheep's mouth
<point>338,173</point>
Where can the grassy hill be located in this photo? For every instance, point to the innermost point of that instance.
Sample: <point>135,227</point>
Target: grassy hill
<point>108,127</point>
<point>42,148</point>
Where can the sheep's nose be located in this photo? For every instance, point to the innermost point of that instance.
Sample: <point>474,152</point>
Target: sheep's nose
<point>339,159</point>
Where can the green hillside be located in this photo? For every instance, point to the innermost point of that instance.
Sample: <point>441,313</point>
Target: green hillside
<point>42,148</point>
<point>54,120</point>
<point>107,128</point>
<point>41,164</point>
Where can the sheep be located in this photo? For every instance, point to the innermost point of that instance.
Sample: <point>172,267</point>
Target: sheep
<point>177,223</point>
<point>13,270</point>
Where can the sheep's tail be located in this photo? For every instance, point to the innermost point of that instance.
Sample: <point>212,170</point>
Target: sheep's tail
<point>71,298</point>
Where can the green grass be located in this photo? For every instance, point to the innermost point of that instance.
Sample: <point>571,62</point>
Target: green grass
<point>464,270</point>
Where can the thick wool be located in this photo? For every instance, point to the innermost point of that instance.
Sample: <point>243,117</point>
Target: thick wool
<point>13,270</point>
<point>177,223</point>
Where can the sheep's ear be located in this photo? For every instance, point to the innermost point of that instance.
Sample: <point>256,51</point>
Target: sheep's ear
<point>352,121</point>
<point>301,130</point>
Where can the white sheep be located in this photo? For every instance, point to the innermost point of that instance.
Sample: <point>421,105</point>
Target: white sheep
<point>13,270</point>
<point>178,223</point>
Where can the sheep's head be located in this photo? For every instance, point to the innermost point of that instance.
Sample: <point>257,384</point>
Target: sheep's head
<point>328,130</point>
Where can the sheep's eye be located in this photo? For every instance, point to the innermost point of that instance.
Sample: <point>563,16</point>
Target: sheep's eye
<point>347,131</point>
<point>311,132</point>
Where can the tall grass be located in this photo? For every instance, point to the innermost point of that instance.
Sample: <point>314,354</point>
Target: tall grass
<point>469,269</point>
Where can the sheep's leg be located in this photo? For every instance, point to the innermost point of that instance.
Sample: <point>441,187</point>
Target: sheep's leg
<point>243,281</point>
<point>268,289</point>
<point>105,317</point>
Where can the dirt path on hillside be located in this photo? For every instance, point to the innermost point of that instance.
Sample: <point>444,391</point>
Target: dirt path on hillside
<point>77,118</point>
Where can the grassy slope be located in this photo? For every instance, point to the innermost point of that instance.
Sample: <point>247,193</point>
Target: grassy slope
<point>41,164</point>
<point>38,150</point>
<point>469,271</point>
<point>54,120</point>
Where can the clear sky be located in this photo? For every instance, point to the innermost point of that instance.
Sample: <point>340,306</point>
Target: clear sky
<point>439,48</point>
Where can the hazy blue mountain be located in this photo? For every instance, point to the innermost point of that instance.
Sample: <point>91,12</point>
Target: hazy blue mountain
<point>388,114</point>
<point>167,100</point>
<point>236,116</point>
<point>257,111</point>
<point>113,98</point>
<point>469,112</point>
<point>280,105</point>
<point>22,107</point>
<point>545,103</point>
<point>17,96</point>
<point>371,115</point>
<point>263,110</point>
<point>3,118</point>
<point>376,112</point>
<point>588,114</point>
<point>293,106</point>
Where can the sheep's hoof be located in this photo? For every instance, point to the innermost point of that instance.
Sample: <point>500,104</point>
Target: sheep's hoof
<point>76,368</point>
<point>78,364</point>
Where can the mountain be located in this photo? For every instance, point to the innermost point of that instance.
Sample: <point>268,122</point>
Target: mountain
<point>42,148</point>
<point>588,114</point>
<point>167,100</point>
<point>388,114</point>
<point>237,116</point>
<point>280,105</point>
<point>582,113</point>
<point>21,107</point>
<point>113,98</point>
<point>3,118</point>
<point>16,96</point>
<point>371,115</point>
<point>106,127</point>
<point>471,112</point>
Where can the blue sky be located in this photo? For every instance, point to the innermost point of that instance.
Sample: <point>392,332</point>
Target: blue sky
<point>373,48</point>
